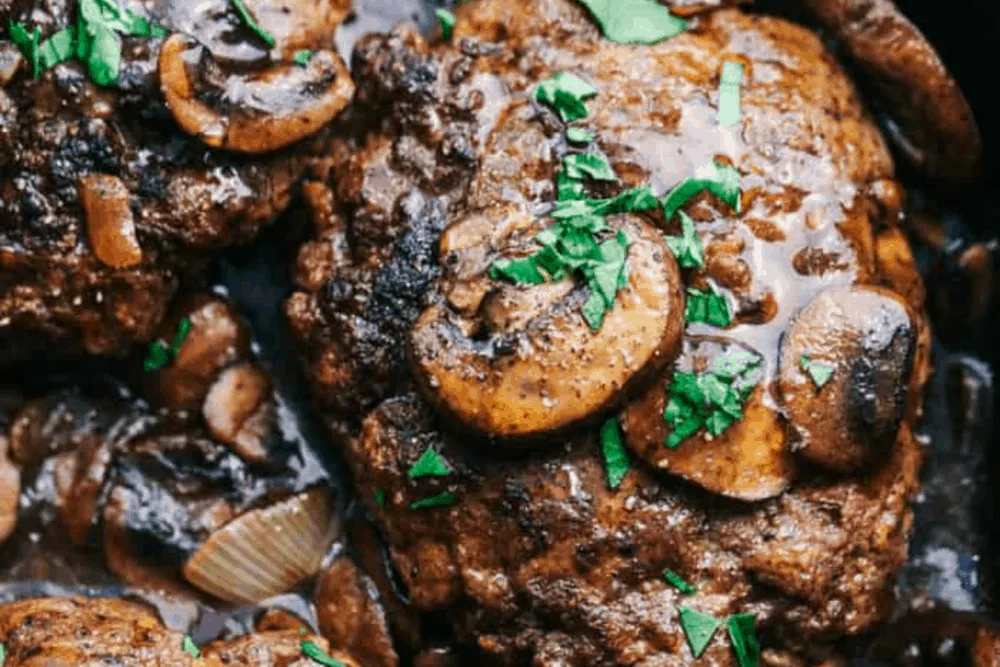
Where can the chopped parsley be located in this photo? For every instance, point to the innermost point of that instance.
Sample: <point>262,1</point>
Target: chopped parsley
<point>3,654</point>
<point>712,400</point>
<point>311,650</point>
<point>566,93</point>
<point>94,40</point>
<point>447,21</point>
<point>589,165</point>
<point>616,462</point>
<point>678,582</point>
<point>380,498</point>
<point>578,135</point>
<point>729,93</point>
<point>430,464</point>
<point>251,23</point>
<point>698,629</point>
<point>28,43</point>
<point>719,179</point>
<point>746,646</point>
<point>302,57</point>
<point>635,21</point>
<point>440,500</point>
<point>687,247</point>
<point>820,373</point>
<point>568,189</point>
<point>707,306</point>
<point>159,354</point>
<point>189,647</point>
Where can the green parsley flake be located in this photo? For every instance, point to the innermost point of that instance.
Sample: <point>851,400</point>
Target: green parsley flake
<point>719,179</point>
<point>712,400</point>
<point>301,58</point>
<point>635,21</point>
<point>28,43</point>
<point>312,651</point>
<point>58,48</point>
<point>678,582</point>
<point>251,23</point>
<point>565,93</point>
<point>105,58</point>
<point>440,500</point>
<point>687,247</point>
<point>3,654</point>
<point>744,639</point>
<point>447,21</point>
<point>616,462</point>
<point>709,307</point>
<point>729,93</point>
<point>568,189</point>
<point>430,464</point>
<point>820,373</point>
<point>159,355</point>
<point>589,165</point>
<point>698,629</point>
<point>380,498</point>
<point>189,647</point>
<point>578,135</point>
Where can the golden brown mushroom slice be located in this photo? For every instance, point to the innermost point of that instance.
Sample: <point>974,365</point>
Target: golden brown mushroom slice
<point>523,361</point>
<point>933,123</point>
<point>748,457</point>
<point>845,375</point>
<point>256,111</point>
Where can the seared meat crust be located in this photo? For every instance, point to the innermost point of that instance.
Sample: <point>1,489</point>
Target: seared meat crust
<point>84,632</point>
<point>92,270</point>
<point>536,561</point>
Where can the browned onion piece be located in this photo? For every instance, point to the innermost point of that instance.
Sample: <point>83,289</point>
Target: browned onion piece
<point>110,226</point>
<point>266,551</point>
<point>239,411</point>
<point>217,338</point>
<point>526,362</point>
<point>266,110</point>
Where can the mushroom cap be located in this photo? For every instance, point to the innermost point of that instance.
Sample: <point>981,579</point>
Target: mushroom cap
<point>749,460</point>
<point>868,337</point>
<point>933,124</point>
<point>525,362</point>
<point>259,111</point>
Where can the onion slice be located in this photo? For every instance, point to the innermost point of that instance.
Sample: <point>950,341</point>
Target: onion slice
<point>266,551</point>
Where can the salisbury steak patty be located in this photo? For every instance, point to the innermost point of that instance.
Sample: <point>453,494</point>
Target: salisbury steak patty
<point>75,631</point>
<point>110,194</point>
<point>766,369</point>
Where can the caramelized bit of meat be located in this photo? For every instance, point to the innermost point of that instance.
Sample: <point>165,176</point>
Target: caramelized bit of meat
<point>260,112</point>
<point>749,460</point>
<point>867,337</point>
<point>351,616</point>
<point>934,126</point>
<point>271,649</point>
<point>239,410</point>
<point>110,225</point>
<point>217,338</point>
<point>527,363</point>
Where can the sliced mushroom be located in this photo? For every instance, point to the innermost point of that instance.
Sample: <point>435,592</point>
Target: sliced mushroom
<point>749,460</point>
<point>865,340</point>
<point>526,362</point>
<point>256,112</point>
<point>240,412</point>
<point>217,338</point>
<point>10,492</point>
<point>932,122</point>
<point>110,226</point>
